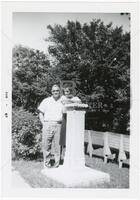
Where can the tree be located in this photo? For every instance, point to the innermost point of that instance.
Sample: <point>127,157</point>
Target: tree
<point>31,77</point>
<point>97,58</point>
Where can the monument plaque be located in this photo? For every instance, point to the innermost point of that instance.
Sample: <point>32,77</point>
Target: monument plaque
<point>74,173</point>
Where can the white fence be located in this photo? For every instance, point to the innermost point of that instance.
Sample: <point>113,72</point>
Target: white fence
<point>108,140</point>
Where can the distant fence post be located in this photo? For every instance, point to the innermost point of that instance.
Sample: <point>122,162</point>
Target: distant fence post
<point>90,148</point>
<point>107,151</point>
<point>122,155</point>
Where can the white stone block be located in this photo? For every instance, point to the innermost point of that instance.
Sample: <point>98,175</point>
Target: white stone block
<point>84,177</point>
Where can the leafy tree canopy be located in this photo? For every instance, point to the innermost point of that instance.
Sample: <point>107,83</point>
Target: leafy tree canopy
<point>94,55</point>
<point>31,77</point>
<point>97,58</point>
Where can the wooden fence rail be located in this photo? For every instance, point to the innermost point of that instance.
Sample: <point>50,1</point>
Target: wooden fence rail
<point>108,140</point>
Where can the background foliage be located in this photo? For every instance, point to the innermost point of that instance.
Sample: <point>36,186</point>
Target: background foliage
<point>26,135</point>
<point>31,80</point>
<point>95,56</point>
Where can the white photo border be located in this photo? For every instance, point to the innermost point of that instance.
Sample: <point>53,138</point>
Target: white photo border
<point>7,44</point>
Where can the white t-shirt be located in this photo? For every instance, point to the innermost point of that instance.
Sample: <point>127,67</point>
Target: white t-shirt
<point>73,99</point>
<point>66,100</point>
<point>52,109</point>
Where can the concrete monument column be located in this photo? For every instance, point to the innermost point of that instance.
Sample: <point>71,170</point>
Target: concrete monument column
<point>74,156</point>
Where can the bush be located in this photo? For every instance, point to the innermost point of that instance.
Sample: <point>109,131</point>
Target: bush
<point>26,135</point>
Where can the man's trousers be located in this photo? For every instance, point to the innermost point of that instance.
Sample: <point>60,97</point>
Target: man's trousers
<point>51,133</point>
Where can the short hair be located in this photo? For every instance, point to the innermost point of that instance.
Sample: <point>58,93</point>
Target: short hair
<point>68,88</point>
<point>56,86</point>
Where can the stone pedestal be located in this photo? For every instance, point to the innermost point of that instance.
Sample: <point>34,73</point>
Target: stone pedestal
<point>74,156</point>
<point>74,173</point>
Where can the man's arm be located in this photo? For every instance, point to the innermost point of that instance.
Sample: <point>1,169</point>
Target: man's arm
<point>76,100</point>
<point>41,110</point>
<point>41,117</point>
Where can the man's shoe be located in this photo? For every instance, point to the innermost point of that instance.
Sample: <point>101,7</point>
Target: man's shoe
<point>56,165</point>
<point>48,165</point>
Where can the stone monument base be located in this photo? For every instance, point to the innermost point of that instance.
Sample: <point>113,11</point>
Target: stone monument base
<point>83,177</point>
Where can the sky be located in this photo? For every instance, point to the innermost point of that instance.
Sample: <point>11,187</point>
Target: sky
<point>30,29</point>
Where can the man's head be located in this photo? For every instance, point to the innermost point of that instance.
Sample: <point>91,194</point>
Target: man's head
<point>56,91</point>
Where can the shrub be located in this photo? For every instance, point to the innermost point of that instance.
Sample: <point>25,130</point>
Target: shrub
<point>26,135</point>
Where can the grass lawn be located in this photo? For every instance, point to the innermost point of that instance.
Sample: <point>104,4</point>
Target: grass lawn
<point>31,172</point>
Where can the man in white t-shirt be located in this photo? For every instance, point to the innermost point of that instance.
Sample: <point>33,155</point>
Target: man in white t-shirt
<point>50,116</point>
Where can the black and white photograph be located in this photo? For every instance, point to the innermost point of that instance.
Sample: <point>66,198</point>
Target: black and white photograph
<point>71,140</point>
<point>70,100</point>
